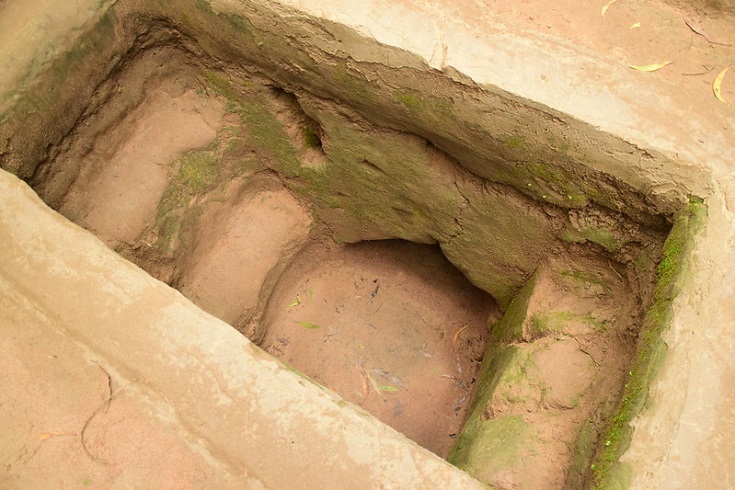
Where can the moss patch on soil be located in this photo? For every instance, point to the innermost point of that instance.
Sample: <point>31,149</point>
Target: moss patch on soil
<point>495,444</point>
<point>197,173</point>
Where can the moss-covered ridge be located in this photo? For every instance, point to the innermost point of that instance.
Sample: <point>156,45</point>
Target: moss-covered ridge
<point>672,273</point>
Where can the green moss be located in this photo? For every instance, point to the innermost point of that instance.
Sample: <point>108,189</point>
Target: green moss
<point>411,101</point>
<point>264,131</point>
<point>606,238</point>
<point>576,200</point>
<point>557,321</point>
<point>510,327</point>
<point>221,85</point>
<point>584,451</point>
<point>198,172</point>
<point>547,322</point>
<point>586,284</point>
<point>516,142</point>
<point>54,95</point>
<point>349,80</point>
<point>269,137</point>
<point>556,185</point>
<point>494,444</point>
<point>651,349</point>
<point>241,25</point>
<point>311,137</point>
<point>425,107</point>
<point>545,172</point>
<point>559,145</point>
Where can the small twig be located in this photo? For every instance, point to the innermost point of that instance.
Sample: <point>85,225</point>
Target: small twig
<point>95,412</point>
<point>700,73</point>
<point>109,383</point>
<point>582,349</point>
<point>376,310</point>
<point>615,270</point>
<point>698,30</point>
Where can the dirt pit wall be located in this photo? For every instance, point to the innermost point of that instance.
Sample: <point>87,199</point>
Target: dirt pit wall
<point>222,154</point>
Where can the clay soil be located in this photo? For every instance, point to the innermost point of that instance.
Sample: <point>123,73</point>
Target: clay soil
<point>390,326</point>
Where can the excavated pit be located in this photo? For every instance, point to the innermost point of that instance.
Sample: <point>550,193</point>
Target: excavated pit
<point>492,318</point>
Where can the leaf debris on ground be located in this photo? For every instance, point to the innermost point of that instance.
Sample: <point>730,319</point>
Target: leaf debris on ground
<point>308,325</point>
<point>603,11</point>
<point>717,85</point>
<point>48,435</point>
<point>651,67</point>
<point>459,331</point>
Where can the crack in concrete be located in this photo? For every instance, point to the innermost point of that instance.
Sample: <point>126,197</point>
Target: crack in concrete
<point>458,217</point>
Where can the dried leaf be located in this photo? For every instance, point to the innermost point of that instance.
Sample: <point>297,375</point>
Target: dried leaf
<point>456,335</point>
<point>607,6</point>
<point>48,435</point>
<point>651,67</point>
<point>716,86</point>
<point>297,302</point>
<point>387,388</point>
<point>308,325</point>
<point>635,26</point>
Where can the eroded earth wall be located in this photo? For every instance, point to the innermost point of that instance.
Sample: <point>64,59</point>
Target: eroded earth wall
<point>491,154</point>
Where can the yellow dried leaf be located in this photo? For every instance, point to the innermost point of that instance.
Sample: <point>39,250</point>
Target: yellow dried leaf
<point>48,435</point>
<point>308,325</point>
<point>651,67</point>
<point>716,86</point>
<point>635,26</point>
<point>607,6</point>
<point>456,335</point>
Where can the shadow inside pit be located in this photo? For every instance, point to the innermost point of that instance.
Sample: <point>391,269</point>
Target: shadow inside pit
<point>391,326</point>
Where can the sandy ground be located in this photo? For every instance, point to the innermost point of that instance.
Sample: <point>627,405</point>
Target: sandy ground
<point>84,417</point>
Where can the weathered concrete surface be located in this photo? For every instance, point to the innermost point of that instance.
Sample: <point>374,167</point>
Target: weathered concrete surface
<point>232,414</point>
<point>686,437</point>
